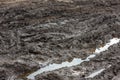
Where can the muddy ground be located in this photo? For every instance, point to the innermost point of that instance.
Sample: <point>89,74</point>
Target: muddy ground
<point>53,31</point>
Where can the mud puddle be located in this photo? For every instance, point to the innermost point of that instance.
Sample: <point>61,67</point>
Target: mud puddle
<point>92,75</point>
<point>95,73</point>
<point>75,61</point>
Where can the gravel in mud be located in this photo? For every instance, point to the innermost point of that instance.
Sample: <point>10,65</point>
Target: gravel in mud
<point>34,32</point>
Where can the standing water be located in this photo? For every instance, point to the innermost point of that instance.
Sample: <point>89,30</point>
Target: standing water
<point>75,61</point>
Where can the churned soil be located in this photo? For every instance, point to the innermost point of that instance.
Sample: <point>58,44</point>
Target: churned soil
<point>35,33</point>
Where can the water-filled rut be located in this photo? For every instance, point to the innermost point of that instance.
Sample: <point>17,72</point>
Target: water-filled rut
<point>75,61</point>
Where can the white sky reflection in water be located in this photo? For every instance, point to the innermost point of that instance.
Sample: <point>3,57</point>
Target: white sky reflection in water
<point>75,61</point>
<point>92,75</point>
<point>95,73</point>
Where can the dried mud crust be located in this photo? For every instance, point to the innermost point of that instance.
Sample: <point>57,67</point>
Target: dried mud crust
<point>53,31</point>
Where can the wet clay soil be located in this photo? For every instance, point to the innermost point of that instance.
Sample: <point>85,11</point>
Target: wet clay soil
<point>36,33</point>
